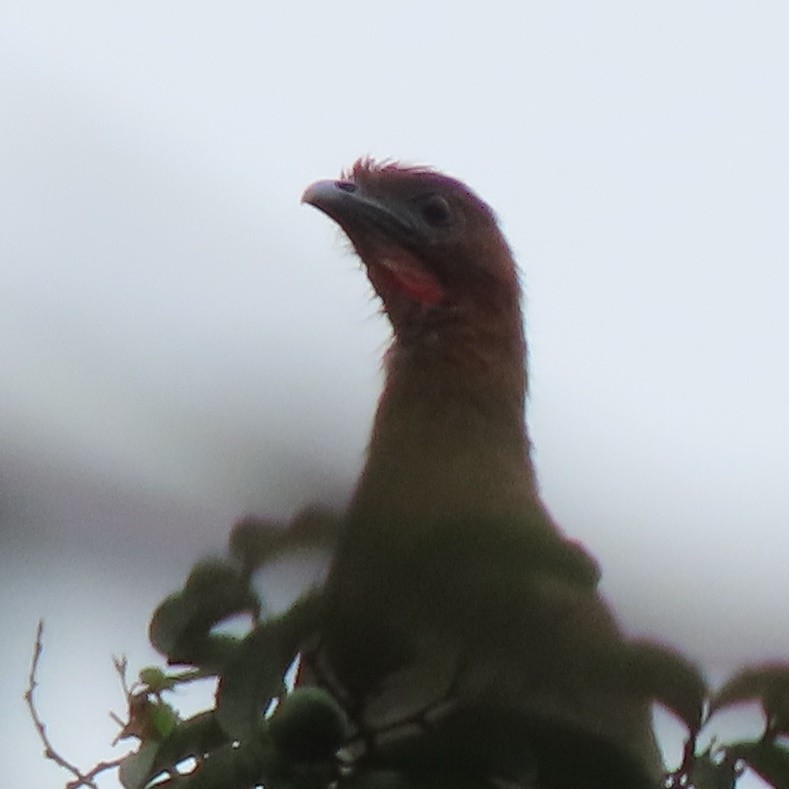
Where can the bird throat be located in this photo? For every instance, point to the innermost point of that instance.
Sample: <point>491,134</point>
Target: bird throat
<point>398,272</point>
<point>449,438</point>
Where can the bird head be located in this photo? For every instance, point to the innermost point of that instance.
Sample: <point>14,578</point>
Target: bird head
<point>429,244</point>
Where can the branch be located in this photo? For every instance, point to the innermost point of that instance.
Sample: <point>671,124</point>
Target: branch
<point>81,779</point>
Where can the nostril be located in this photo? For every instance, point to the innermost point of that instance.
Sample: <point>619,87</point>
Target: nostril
<point>346,186</point>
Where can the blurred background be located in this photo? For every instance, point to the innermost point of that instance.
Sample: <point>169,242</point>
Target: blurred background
<point>181,342</point>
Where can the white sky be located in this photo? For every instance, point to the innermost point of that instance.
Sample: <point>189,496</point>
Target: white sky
<point>183,342</point>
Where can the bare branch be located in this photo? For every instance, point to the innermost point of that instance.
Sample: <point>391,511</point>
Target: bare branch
<point>81,779</point>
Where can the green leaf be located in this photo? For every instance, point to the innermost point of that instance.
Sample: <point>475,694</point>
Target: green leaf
<point>256,541</point>
<point>192,738</point>
<point>135,770</point>
<point>253,541</point>
<point>155,679</point>
<point>164,719</point>
<point>255,673</point>
<point>181,626</point>
<point>309,725</point>
<point>231,766</point>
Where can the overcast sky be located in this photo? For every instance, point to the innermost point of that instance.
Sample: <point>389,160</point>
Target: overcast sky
<point>183,342</point>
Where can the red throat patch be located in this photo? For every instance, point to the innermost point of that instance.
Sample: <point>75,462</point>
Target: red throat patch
<point>404,273</point>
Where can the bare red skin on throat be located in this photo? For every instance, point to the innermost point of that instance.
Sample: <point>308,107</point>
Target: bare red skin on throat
<point>404,273</point>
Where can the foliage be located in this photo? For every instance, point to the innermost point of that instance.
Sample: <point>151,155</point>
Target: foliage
<point>263,733</point>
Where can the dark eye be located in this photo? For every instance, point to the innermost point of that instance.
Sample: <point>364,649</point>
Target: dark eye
<point>435,210</point>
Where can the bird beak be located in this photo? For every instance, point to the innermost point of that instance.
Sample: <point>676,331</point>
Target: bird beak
<point>337,199</point>
<point>355,211</point>
<point>382,237</point>
<point>327,193</point>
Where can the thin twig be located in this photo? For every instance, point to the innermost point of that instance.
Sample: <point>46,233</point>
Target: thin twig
<point>88,778</point>
<point>82,779</point>
<point>121,665</point>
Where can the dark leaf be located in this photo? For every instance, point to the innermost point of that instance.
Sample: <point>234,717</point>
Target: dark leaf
<point>709,773</point>
<point>309,725</point>
<point>190,739</point>
<point>135,770</point>
<point>255,673</point>
<point>194,737</point>
<point>181,626</point>
<point>233,766</point>
<point>390,779</point>
<point>769,760</point>
<point>670,679</point>
<point>256,541</point>
<point>768,684</point>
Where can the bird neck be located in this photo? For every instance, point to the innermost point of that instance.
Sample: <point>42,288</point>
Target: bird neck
<point>449,438</point>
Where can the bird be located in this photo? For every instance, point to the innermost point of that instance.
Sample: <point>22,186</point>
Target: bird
<point>454,602</point>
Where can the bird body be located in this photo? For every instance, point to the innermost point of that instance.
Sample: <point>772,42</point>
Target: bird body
<point>451,583</point>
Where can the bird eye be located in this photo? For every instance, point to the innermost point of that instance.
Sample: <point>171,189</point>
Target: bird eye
<point>435,210</point>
